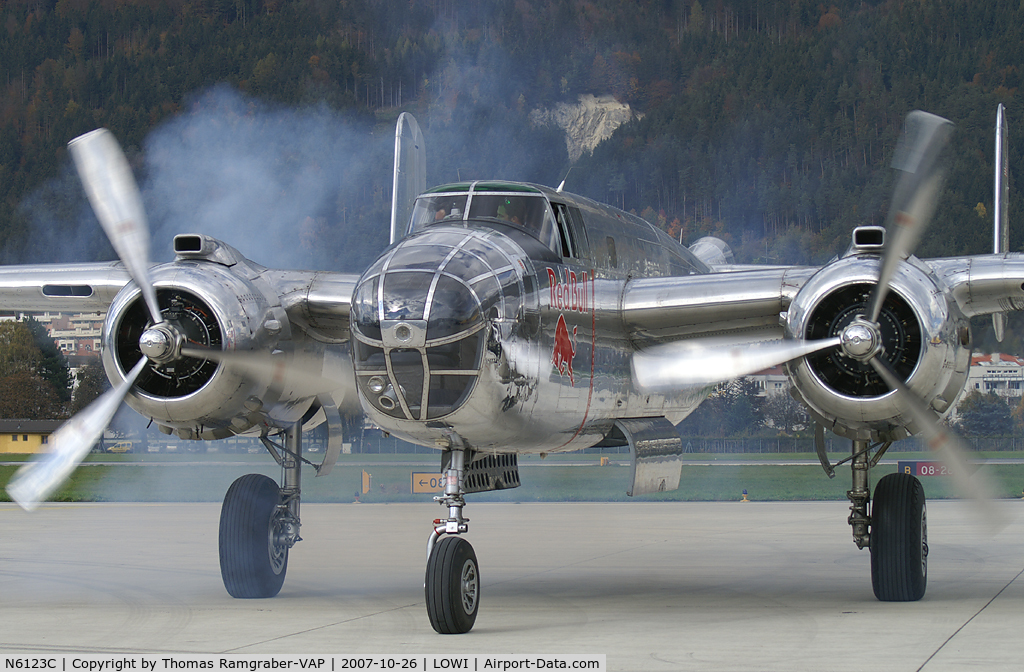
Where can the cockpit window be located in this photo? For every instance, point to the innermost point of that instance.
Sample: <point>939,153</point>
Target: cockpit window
<point>438,209</point>
<point>527,211</point>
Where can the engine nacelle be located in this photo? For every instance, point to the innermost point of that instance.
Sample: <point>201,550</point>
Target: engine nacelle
<point>925,336</point>
<point>211,304</point>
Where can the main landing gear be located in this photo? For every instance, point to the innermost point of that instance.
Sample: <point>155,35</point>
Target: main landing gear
<point>896,531</point>
<point>452,583</point>
<point>259,523</point>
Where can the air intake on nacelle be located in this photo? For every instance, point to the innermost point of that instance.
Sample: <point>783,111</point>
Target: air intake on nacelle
<point>869,238</point>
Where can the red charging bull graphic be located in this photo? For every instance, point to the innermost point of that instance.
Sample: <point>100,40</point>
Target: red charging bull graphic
<point>565,349</point>
<point>569,292</point>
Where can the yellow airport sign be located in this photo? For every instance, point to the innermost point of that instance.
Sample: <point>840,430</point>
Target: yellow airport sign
<point>425,482</point>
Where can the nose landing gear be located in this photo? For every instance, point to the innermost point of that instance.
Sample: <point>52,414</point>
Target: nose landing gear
<point>452,583</point>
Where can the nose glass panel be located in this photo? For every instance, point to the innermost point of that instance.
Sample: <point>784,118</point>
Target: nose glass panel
<point>454,308</point>
<point>420,317</point>
<point>403,298</point>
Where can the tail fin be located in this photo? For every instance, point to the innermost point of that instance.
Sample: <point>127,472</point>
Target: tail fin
<point>1001,235</point>
<point>1001,241</point>
<point>410,172</point>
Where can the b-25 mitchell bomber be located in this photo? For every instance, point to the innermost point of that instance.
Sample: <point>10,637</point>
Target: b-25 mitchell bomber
<point>508,318</point>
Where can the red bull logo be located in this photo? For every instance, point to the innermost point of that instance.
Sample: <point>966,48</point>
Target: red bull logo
<point>565,349</point>
<point>571,293</point>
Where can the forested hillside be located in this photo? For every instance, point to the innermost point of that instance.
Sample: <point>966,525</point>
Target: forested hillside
<point>767,122</point>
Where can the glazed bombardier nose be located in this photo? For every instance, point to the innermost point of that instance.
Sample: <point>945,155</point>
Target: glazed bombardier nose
<point>419,328</point>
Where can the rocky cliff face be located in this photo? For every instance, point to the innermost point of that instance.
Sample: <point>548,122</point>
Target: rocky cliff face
<point>587,123</point>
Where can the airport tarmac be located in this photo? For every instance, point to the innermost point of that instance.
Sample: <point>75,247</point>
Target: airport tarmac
<point>654,586</point>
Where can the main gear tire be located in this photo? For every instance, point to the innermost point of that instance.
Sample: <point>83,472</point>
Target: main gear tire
<point>253,562</point>
<point>899,539</point>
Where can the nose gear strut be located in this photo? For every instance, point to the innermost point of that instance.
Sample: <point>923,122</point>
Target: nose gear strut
<point>452,583</point>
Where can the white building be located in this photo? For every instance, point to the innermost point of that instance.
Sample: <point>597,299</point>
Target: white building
<point>998,373</point>
<point>78,334</point>
<point>771,381</point>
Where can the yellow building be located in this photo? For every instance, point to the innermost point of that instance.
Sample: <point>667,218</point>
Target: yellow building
<point>26,436</point>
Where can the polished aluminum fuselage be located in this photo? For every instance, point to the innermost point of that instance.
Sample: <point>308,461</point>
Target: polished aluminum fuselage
<point>557,387</point>
<point>556,373</point>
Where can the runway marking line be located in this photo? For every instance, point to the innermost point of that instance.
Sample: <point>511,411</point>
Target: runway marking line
<point>968,621</point>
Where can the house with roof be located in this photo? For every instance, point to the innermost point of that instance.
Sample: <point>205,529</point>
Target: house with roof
<point>26,436</point>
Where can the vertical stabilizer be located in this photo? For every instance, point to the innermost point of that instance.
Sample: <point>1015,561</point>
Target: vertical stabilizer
<point>1001,242</point>
<point>1001,235</point>
<point>410,172</point>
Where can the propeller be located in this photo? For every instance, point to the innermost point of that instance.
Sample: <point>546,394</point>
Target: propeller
<point>115,197</point>
<point>713,361</point>
<point>707,362</point>
<point>37,480</point>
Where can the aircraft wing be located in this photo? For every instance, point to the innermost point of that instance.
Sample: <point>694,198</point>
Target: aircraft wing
<point>984,284</point>
<point>744,304</point>
<point>79,288</point>
<point>316,301</point>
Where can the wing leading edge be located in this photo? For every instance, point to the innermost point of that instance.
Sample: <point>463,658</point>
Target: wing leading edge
<point>61,287</point>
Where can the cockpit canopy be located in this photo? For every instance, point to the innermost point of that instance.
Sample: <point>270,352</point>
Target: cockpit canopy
<point>515,205</point>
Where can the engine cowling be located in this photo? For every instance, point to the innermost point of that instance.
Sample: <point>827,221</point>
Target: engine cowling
<point>926,341</point>
<point>209,305</point>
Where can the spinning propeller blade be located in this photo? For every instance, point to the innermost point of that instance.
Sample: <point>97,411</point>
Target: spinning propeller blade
<point>117,202</point>
<point>37,480</point>
<point>948,447</point>
<point>286,370</point>
<point>913,201</point>
<point>706,362</point>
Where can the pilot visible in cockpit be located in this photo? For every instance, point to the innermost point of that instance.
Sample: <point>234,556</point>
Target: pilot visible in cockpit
<point>444,213</point>
<point>506,213</point>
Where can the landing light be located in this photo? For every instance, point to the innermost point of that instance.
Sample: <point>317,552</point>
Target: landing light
<point>375,384</point>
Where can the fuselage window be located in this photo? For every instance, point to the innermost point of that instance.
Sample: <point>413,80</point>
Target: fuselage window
<point>569,247</point>
<point>613,257</point>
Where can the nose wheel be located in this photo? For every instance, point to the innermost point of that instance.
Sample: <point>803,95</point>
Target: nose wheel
<point>452,586</point>
<point>452,583</point>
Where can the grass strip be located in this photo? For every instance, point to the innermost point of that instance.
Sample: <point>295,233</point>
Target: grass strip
<point>207,482</point>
